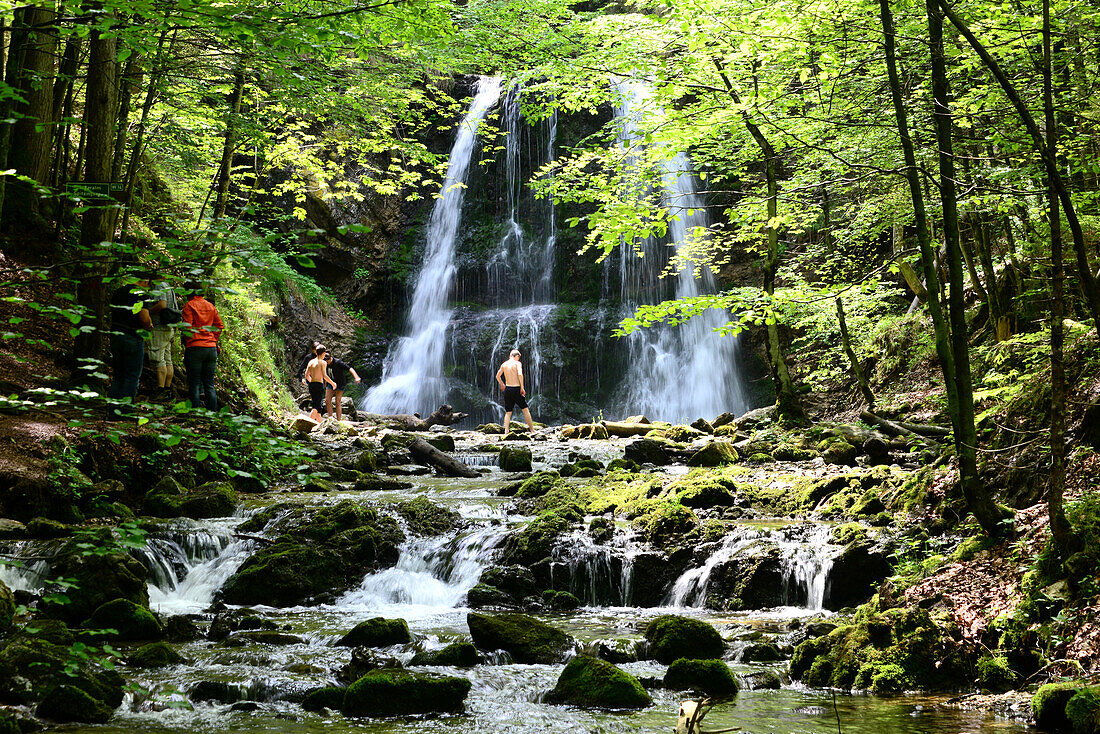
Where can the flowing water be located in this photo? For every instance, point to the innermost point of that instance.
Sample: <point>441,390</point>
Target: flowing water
<point>187,561</point>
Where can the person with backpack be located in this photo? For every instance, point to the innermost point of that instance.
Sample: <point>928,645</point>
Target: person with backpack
<point>201,329</point>
<point>159,348</point>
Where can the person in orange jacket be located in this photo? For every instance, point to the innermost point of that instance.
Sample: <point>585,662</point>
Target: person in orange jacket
<point>202,327</point>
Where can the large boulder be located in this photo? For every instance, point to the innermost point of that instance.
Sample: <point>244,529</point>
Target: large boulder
<point>648,451</point>
<point>515,458</point>
<point>128,620</point>
<point>516,581</point>
<point>168,499</point>
<point>856,573</point>
<point>391,692</point>
<point>590,682</point>
<point>525,638</point>
<point>711,677</point>
<point>329,697</point>
<point>455,655</point>
<point>715,453</point>
<point>749,581</point>
<point>424,517</point>
<point>97,579</point>
<point>671,637</point>
<point>377,632</point>
<point>69,704</point>
<point>154,655</point>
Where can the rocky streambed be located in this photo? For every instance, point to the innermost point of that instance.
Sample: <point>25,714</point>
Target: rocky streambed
<point>591,590</point>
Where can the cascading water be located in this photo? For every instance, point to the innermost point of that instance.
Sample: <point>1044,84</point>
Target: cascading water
<point>187,566</point>
<point>686,371</point>
<point>413,376</point>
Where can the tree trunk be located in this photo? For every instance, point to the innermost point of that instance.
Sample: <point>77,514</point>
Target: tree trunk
<point>31,133</point>
<point>1060,530</point>
<point>853,361</point>
<point>229,144</point>
<point>99,122</point>
<point>988,514</point>
<point>63,109</point>
<point>427,454</point>
<point>444,415</point>
<point>788,406</point>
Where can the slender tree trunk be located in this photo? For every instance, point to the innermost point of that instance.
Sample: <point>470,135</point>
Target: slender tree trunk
<point>63,108</point>
<point>1060,530</point>
<point>229,145</point>
<point>12,72</point>
<point>153,87</point>
<point>788,406</point>
<point>99,123</point>
<point>1050,162</point>
<point>988,514</point>
<point>853,361</point>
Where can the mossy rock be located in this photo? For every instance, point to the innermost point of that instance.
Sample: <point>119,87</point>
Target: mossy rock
<point>593,683</point>
<point>671,637</point>
<point>715,453</point>
<point>727,431</point>
<point>97,579</point>
<point>525,638</point>
<point>329,697</point>
<point>389,692</point>
<point>28,668</point>
<point>534,542</point>
<point>9,724</point>
<point>491,429</point>
<point>666,524</point>
<point>154,655</point>
<point>455,655</point>
<point>601,529</point>
<point>68,704</point>
<point>761,652</point>
<point>850,532</point>
<point>442,441</point>
<point>678,433</point>
<point>7,608</point>
<point>538,484</point>
<point>704,492</point>
<point>1049,705</point>
<point>317,484</point>
<point>131,621</point>
<point>424,517</point>
<point>168,499</point>
<point>711,677</point>
<point>45,528</point>
<point>995,674</point>
<point>49,630</point>
<point>792,452</point>
<point>516,581</point>
<point>622,465</point>
<point>483,595</point>
<point>514,458</point>
<point>838,451</point>
<point>560,601</point>
<point>377,632</point>
<point>759,458</point>
<point>1083,710</point>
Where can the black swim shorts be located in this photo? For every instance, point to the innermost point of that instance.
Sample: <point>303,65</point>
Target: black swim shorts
<point>317,396</point>
<point>513,398</point>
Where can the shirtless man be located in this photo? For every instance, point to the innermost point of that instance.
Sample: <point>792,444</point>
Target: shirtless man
<point>514,392</point>
<point>316,377</point>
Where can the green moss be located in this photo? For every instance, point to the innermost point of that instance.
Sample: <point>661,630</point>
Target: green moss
<point>9,724</point>
<point>377,632</point>
<point>1049,704</point>
<point>560,601</point>
<point>671,637</point>
<point>679,433</point>
<point>715,453</point>
<point>131,621</point>
<point>666,523</point>
<point>887,678</point>
<point>168,499</point>
<point>424,517</point>
<point>329,697</point>
<point>514,458</point>
<point>711,677</point>
<point>591,682</point>
<point>1083,710</point>
<point>7,608</point>
<point>848,533</point>
<point>527,639</point>
<point>622,465</point>
<point>66,703</point>
<point>538,485</point>
<point>154,655</point>
<point>995,674</point>
<point>535,541</point>
<point>456,655</point>
<point>390,692</point>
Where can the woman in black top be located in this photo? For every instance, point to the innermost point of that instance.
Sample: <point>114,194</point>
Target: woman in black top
<point>340,370</point>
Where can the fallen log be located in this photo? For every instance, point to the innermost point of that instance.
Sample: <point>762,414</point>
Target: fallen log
<point>444,415</point>
<point>925,429</point>
<point>625,429</point>
<point>424,453</point>
<point>892,427</point>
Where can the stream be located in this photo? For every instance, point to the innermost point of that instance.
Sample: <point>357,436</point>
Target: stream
<point>190,560</point>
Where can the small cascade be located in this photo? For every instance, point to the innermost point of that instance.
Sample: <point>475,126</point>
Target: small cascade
<point>26,575</point>
<point>690,590</point>
<point>808,562</point>
<point>677,372</point>
<point>413,377</point>
<point>189,564</point>
<point>598,575</point>
<point>431,574</point>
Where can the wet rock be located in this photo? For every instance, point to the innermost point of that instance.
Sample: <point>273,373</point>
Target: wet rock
<point>648,451</point>
<point>303,424</point>
<point>441,442</point>
<point>527,639</point>
<point>749,581</point>
<point>762,680</point>
<point>491,429</point>
<point>517,581</point>
<point>560,601</point>
<point>168,499</point>
<point>44,528</point>
<point>537,485</point>
<point>364,660</point>
<point>622,465</point>
<point>710,677</point>
<point>705,491</point>
<point>424,517</point>
<point>533,543</point>
<point>514,458</point>
<point>878,452</point>
<point>181,628</point>
<point>725,419</point>
<point>715,453</point>
<point>754,419</point>
<point>601,529</point>
<point>329,697</point>
<point>838,451</point>
<point>131,621</point>
<point>618,652</point>
<point>456,655</point>
<point>667,524</point>
<point>856,573</point>
<point>12,529</point>
<point>483,596</point>
<point>262,637</point>
<point>593,683</point>
<point>69,704</point>
<point>516,435</point>
<point>217,691</point>
<point>402,692</point>
<point>98,579</point>
<point>7,607</point>
<point>760,652</point>
<point>154,655</point>
<point>671,637</point>
<point>1049,705</point>
<point>317,484</point>
<point>28,668</point>
<point>703,425</point>
<point>377,632</point>
<point>373,483</point>
<point>654,574</point>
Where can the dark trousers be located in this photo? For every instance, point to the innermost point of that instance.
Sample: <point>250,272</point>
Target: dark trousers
<point>201,363</point>
<point>127,359</point>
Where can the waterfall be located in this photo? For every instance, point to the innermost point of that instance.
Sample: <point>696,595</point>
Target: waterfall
<point>413,377</point>
<point>676,372</point>
<point>431,574</point>
<point>598,575</point>
<point>188,564</point>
